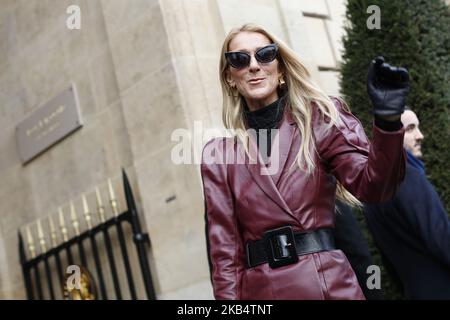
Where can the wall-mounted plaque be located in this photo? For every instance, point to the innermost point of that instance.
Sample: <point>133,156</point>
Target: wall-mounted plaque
<point>49,124</point>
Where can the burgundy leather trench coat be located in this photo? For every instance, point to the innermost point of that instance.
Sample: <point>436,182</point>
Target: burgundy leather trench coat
<point>241,204</point>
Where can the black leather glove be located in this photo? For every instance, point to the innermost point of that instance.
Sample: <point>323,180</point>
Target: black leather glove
<point>387,87</point>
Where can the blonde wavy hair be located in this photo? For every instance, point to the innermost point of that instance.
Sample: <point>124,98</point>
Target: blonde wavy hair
<point>302,91</point>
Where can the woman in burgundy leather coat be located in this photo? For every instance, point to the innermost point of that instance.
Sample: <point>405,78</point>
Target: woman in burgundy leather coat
<point>269,222</point>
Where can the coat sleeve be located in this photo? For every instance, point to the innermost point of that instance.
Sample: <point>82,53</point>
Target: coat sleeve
<point>373,171</point>
<point>421,205</point>
<point>224,243</point>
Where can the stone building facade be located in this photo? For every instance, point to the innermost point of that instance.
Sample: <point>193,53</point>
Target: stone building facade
<point>142,69</point>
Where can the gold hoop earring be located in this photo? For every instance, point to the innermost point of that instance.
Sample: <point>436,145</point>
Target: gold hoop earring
<point>233,92</point>
<point>281,82</point>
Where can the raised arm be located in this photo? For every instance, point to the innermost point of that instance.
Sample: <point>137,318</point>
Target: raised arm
<point>370,171</point>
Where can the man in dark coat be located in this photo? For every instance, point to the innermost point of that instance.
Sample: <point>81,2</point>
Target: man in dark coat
<point>349,238</point>
<point>413,229</point>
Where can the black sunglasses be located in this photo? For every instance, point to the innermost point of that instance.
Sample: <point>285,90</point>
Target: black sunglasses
<point>240,60</point>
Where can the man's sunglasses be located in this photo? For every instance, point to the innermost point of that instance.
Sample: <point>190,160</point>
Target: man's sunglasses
<point>240,60</point>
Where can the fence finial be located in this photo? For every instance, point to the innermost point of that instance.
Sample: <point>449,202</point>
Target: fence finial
<point>112,199</point>
<point>86,212</point>
<point>52,231</point>
<point>100,207</point>
<point>62,224</point>
<point>41,237</point>
<point>74,218</point>
<point>30,242</point>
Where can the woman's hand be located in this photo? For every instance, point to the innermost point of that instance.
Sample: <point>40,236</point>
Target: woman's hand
<point>387,87</point>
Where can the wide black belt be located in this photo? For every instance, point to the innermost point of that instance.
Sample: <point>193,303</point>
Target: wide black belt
<point>280,247</point>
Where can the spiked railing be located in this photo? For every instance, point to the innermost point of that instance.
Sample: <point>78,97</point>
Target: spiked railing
<point>51,250</point>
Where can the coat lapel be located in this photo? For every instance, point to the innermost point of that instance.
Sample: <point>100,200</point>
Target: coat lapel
<point>281,148</point>
<point>267,177</point>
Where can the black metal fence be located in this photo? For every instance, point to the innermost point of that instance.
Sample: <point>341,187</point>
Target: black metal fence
<point>39,270</point>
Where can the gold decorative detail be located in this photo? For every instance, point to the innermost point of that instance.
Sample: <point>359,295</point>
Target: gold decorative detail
<point>87,289</point>
<point>30,243</point>
<point>73,217</point>
<point>52,232</point>
<point>41,237</point>
<point>87,214</point>
<point>100,207</point>
<point>234,92</point>
<point>112,199</point>
<point>62,225</point>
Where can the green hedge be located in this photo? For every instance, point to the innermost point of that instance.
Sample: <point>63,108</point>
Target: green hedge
<point>414,34</point>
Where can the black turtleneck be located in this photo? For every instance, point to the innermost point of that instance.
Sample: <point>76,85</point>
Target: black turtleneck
<point>267,117</point>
